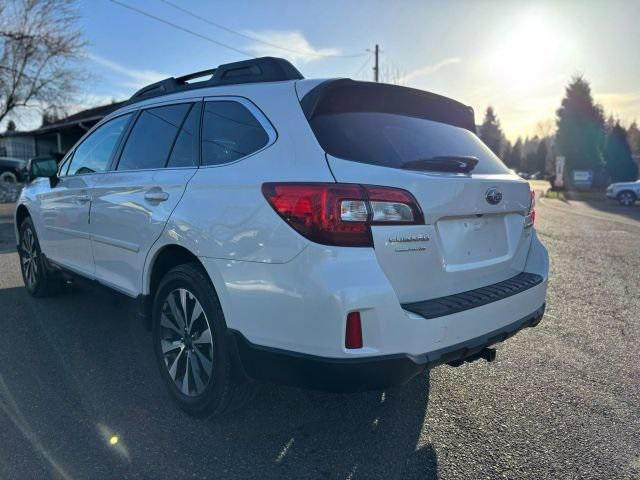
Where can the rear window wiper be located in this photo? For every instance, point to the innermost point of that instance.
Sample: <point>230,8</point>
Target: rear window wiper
<point>443,163</point>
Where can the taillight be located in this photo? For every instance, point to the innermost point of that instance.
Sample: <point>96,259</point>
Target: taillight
<point>341,213</point>
<point>530,219</point>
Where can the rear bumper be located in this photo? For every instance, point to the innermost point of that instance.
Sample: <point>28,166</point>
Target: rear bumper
<point>364,373</point>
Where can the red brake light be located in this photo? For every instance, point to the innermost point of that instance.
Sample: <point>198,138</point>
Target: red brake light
<point>341,213</point>
<point>531,215</point>
<point>353,333</point>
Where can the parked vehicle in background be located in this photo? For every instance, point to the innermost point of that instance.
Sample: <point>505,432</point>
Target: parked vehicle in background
<point>13,170</point>
<point>333,234</point>
<point>626,193</point>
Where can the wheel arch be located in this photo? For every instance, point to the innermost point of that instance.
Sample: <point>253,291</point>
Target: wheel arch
<point>163,259</point>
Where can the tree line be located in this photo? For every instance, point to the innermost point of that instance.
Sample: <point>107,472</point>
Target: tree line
<point>583,135</point>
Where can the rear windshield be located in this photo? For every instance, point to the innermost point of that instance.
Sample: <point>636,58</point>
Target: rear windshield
<point>395,127</point>
<point>390,140</point>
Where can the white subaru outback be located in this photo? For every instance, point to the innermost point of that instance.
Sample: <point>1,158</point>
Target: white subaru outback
<point>334,234</point>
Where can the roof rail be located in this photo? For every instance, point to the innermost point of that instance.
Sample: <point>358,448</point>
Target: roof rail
<point>264,69</point>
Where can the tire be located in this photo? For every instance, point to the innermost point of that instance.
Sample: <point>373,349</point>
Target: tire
<point>39,279</point>
<point>8,177</point>
<point>626,198</point>
<point>212,386</point>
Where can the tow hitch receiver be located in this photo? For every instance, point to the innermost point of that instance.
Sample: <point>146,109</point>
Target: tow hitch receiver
<point>489,354</point>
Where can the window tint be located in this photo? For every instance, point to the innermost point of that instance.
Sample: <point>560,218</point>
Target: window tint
<point>185,150</point>
<point>229,132</point>
<point>152,137</point>
<point>94,153</point>
<point>392,140</point>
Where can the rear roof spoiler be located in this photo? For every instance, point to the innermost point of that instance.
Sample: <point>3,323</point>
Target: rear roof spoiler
<point>264,69</point>
<point>344,96</point>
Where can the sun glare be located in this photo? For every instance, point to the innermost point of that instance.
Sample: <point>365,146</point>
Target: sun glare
<point>527,53</point>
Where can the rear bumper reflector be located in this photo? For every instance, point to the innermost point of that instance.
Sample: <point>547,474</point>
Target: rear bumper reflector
<point>439,307</point>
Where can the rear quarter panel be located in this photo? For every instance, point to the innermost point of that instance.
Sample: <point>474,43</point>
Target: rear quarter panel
<point>223,213</point>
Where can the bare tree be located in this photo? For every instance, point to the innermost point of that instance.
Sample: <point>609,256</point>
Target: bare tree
<point>392,74</point>
<point>545,128</point>
<point>40,50</point>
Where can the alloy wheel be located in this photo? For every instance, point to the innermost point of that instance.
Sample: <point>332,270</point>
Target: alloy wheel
<point>29,257</point>
<point>186,342</point>
<point>626,199</point>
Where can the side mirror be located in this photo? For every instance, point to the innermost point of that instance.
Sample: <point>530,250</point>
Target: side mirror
<point>44,168</point>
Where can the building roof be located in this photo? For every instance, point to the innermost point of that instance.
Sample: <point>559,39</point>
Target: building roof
<point>89,115</point>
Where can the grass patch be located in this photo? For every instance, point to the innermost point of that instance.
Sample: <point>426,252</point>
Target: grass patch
<point>555,195</point>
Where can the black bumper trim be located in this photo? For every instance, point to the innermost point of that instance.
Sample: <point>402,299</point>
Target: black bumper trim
<point>439,307</point>
<point>359,374</point>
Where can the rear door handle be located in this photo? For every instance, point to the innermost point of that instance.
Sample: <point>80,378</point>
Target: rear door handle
<point>82,198</point>
<point>156,195</point>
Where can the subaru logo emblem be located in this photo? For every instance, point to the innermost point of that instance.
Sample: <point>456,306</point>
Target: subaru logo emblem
<point>493,196</point>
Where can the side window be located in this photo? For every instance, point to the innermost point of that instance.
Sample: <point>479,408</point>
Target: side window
<point>229,132</point>
<point>185,150</point>
<point>94,153</point>
<point>152,137</point>
<point>64,166</point>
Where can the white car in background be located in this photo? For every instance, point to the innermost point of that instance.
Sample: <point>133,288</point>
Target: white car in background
<point>626,193</point>
<point>334,234</point>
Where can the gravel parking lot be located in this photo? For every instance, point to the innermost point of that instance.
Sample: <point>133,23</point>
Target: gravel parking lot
<point>561,400</point>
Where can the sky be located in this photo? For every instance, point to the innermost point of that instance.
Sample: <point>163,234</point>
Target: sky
<point>517,56</point>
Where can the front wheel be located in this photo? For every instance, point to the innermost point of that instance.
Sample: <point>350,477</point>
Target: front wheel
<point>38,278</point>
<point>8,177</point>
<point>626,198</point>
<point>191,346</point>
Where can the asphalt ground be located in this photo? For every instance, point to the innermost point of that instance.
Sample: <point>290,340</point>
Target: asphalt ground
<point>80,395</point>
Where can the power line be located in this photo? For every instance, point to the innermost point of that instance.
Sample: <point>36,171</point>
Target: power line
<point>365,63</point>
<point>186,30</point>
<point>256,39</point>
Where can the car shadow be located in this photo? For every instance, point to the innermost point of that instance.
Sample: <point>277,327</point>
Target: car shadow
<point>612,207</point>
<point>319,435</point>
<point>81,397</point>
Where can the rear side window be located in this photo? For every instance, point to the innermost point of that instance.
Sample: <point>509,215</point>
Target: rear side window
<point>95,152</point>
<point>229,132</point>
<point>185,150</point>
<point>152,137</point>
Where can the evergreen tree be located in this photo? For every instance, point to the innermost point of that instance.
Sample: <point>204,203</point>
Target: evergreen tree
<point>506,151</point>
<point>633,137</point>
<point>515,159</point>
<point>540,157</point>
<point>490,131</point>
<point>617,153</point>
<point>580,128</point>
<point>11,126</point>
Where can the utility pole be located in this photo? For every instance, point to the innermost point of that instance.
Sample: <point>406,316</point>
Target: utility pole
<point>375,67</point>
